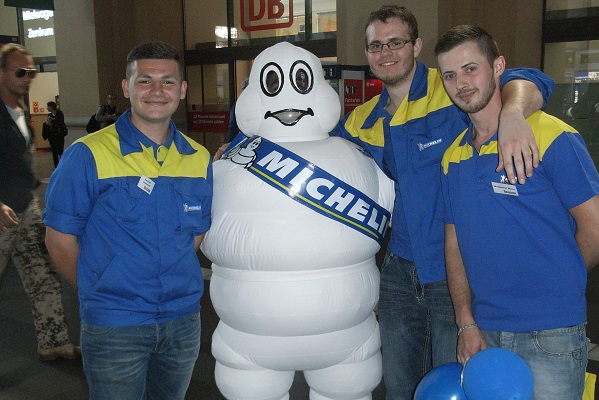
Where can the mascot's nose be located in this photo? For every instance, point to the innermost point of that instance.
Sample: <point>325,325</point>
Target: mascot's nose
<point>289,116</point>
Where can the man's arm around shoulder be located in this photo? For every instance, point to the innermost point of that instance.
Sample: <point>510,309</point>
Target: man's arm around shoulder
<point>524,91</point>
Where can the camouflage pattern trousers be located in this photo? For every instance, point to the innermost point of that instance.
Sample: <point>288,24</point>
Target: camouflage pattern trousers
<point>24,245</point>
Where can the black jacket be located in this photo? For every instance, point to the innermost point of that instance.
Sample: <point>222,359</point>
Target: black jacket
<point>17,179</point>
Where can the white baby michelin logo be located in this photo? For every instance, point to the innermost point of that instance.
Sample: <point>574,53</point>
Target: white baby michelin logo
<point>245,155</point>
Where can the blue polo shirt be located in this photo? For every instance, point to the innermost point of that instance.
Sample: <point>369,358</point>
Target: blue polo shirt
<point>517,242</point>
<point>408,146</point>
<point>135,219</point>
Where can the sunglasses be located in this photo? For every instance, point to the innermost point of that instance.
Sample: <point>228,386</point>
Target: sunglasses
<point>21,72</point>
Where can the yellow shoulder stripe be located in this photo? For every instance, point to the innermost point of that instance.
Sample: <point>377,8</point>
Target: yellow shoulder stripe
<point>546,128</point>
<point>110,163</point>
<point>436,98</point>
<point>373,136</point>
<point>456,153</point>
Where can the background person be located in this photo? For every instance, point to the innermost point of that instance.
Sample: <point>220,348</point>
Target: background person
<point>108,113</point>
<point>518,277</point>
<point>56,131</point>
<point>126,210</point>
<point>406,129</point>
<point>21,229</point>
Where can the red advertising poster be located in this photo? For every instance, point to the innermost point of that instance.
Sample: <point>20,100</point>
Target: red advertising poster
<point>208,121</point>
<point>352,94</point>
<point>372,87</point>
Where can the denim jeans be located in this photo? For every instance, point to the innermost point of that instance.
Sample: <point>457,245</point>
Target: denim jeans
<point>557,359</point>
<point>152,361</point>
<point>417,323</point>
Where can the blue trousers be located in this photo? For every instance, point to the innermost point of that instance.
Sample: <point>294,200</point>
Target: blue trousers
<point>417,323</point>
<point>557,359</point>
<point>150,362</point>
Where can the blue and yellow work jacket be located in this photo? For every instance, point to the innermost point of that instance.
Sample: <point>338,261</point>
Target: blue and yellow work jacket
<point>409,146</point>
<point>135,208</point>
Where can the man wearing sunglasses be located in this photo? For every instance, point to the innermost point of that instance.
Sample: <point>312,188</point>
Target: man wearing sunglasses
<point>21,229</point>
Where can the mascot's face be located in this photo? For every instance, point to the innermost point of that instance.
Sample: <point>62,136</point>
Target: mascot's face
<point>287,98</point>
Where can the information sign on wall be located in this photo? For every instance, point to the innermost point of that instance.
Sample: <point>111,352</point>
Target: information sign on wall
<point>352,94</point>
<point>208,121</point>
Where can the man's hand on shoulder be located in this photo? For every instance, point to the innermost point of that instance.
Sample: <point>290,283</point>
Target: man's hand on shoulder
<point>518,150</point>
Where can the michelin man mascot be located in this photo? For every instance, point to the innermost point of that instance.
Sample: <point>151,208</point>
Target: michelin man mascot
<point>297,220</point>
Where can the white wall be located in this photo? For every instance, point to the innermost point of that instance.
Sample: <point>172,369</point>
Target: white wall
<point>43,89</point>
<point>8,21</point>
<point>77,63</point>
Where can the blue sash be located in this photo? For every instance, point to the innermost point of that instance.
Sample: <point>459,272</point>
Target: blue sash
<point>310,185</point>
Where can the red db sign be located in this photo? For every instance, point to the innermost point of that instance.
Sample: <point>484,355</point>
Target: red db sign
<point>259,15</point>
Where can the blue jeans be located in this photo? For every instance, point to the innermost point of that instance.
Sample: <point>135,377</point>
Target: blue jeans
<point>557,359</point>
<point>152,361</point>
<point>417,323</point>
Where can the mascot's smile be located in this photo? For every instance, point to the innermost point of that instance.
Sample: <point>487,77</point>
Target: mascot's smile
<point>289,116</point>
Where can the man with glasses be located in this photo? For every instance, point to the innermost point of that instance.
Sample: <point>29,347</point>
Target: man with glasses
<point>108,113</point>
<point>21,229</point>
<point>407,129</point>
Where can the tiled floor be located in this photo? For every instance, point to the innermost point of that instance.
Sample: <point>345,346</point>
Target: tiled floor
<point>23,377</point>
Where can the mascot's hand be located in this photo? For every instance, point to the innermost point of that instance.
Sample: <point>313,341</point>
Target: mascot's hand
<point>219,153</point>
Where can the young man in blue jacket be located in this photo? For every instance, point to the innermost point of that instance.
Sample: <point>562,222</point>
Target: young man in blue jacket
<point>517,255</point>
<point>126,210</point>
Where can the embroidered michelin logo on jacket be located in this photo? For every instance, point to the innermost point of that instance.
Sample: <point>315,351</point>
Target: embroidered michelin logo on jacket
<point>188,208</point>
<point>429,144</point>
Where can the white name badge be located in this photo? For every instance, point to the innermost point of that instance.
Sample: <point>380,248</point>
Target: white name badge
<point>503,188</point>
<point>146,184</point>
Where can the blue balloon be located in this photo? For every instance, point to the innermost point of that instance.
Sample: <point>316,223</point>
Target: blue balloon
<point>497,374</point>
<point>441,383</point>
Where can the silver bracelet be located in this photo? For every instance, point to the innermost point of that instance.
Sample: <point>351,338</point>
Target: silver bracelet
<point>466,327</point>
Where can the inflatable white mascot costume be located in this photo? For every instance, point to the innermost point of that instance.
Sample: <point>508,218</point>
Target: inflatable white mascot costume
<point>297,217</point>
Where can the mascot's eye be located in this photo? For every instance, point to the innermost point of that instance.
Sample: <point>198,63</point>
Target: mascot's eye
<point>271,79</point>
<point>301,77</point>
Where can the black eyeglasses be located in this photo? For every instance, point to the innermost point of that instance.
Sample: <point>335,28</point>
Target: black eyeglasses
<point>396,44</point>
<point>21,72</point>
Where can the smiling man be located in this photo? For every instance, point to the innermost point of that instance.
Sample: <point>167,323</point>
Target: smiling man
<point>517,255</point>
<point>126,210</point>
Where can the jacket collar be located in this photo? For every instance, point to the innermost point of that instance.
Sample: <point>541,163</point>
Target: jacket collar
<point>418,90</point>
<point>132,140</point>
